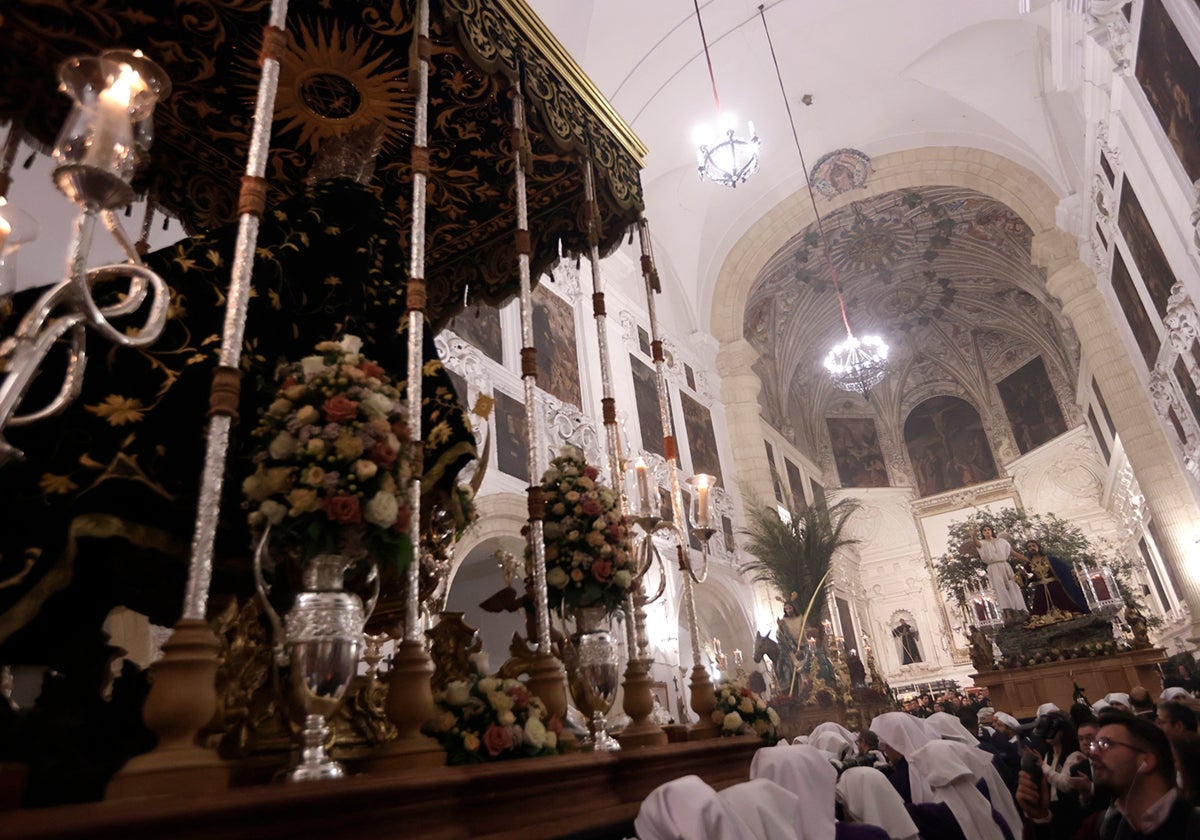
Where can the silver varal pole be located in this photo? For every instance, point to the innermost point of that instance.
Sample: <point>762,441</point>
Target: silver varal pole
<point>533,418</point>
<point>416,321</point>
<point>200,573</point>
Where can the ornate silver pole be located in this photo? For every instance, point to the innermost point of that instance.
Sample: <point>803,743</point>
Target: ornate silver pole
<point>183,699</point>
<point>547,678</point>
<point>410,696</point>
<point>704,699</point>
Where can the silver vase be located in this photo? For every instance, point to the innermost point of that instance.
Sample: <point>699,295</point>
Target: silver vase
<point>319,643</point>
<point>594,674</point>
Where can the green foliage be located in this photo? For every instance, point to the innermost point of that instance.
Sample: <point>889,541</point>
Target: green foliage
<point>794,556</point>
<point>961,569</point>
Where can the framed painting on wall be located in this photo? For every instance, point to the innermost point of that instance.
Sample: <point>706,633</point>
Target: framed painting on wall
<point>796,485</point>
<point>856,451</point>
<point>512,441</point>
<point>947,445</point>
<point>554,339</point>
<point>1136,315</point>
<point>1143,245</point>
<point>645,394</point>
<point>1031,405</point>
<point>1170,77</point>
<point>480,327</point>
<point>702,442</point>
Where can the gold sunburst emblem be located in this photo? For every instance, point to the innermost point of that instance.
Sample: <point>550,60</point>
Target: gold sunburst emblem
<point>334,80</point>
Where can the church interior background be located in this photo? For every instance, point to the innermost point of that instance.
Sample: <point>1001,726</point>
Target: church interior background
<point>1009,195</point>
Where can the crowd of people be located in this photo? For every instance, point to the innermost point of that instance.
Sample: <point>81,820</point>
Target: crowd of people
<point>1124,768</point>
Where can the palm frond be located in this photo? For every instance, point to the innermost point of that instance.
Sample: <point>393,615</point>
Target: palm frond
<point>794,557</point>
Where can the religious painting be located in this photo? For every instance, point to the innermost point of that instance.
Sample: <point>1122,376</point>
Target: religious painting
<point>856,452</point>
<point>947,445</point>
<point>818,494</point>
<point>1136,315</point>
<point>554,338</point>
<point>689,376</point>
<point>1170,77</point>
<point>512,439</point>
<point>1108,421</point>
<point>1031,405</point>
<point>1155,578</point>
<point>644,342</point>
<point>697,420</point>
<point>776,484</point>
<point>480,327</point>
<point>1108,171</point>
<point>796,485</point>
<point>846,620</point>
<point>840,171</point>
<point>1143,245</point>
<point>1100,441</point>
<point>1184,377</point>
<point>645,394</point>
<point>460,387</point>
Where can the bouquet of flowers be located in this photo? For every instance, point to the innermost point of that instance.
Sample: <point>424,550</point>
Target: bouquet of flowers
<point>588,562</point>
<point>740,711</point>
<point>334,475</point>
<point>486,718</point>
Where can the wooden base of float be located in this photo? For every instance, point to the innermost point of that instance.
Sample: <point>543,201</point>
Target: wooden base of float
<point>524,799</point>
<point>1019,691</point>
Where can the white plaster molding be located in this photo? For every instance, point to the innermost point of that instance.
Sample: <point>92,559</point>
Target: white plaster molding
<point>1182,320</point>
<point>1112,31</point>
<point>629,327</point>
<point>566,280</point>
<point>1196,217</point>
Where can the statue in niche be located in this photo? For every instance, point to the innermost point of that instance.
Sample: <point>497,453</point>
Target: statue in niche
<point>910,653</point>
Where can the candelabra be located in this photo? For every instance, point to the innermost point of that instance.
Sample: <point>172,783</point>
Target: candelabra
<point>96,153</point>
<point>703,696</point>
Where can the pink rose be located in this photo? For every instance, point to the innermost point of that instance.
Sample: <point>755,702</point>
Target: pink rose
<point>340,409</point>
<point>497,739</point>
<point>591,472</point>
<point>591,507</point>
<point>370,368</point>
<point>343,509</point>
<point>383,455</point>
<point>403,520</point>
<point>602,570</point>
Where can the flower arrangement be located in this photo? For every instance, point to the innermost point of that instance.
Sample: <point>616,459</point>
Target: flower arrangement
<point>486,718</point>
<point>334,476</point>
<point>740,711</point>
<point>588,561</point>
<point>1105,648</point>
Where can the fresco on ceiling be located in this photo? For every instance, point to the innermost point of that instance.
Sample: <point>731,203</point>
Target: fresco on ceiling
<point>480,327</point>
<point>1031,405</point>
<point>1144,332</point>
<point>554,338</point>
<point>1170,76</point>
<point>645,394</point>
<point>947,445</point>
<point>512,440</point>
<point>702,442</point>
<point>839,172</point>
<point>1143,245</point>
<point>856,452</point>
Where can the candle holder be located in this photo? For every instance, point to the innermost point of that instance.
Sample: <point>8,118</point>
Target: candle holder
<point>700,485</point>
<point>96,154</point>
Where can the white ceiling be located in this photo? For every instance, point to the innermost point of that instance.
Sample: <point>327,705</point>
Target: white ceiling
<point>885,76</point>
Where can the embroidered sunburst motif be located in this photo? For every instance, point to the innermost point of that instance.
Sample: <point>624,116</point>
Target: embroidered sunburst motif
<point>334,80</point>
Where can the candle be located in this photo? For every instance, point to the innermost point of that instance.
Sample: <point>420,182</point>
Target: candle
<point>5,230</point>
<point>643,488</point>
<point>702,501</point>
<point>737,657</point>
<point>112,133</point>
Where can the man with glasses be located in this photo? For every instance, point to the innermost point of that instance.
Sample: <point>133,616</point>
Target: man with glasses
<point>1131,759</point>
<point>1175,718</point>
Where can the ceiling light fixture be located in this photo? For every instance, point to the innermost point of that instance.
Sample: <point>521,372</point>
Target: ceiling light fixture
<point>723,157</point>
<point>854,364</point>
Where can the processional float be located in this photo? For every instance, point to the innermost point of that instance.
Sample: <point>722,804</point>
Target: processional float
<point>577,138</point>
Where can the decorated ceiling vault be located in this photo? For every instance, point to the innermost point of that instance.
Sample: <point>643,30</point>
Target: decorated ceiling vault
<point>944,274</point>
<point>347,66</point>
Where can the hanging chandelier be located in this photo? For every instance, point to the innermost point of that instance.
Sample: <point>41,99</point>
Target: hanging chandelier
<point>855,364</point>
<point>723,157</point>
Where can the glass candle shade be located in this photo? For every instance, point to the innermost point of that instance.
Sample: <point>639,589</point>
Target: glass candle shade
<point>97,148</point>
<point>16,228</point>
<point>642,490</point>
<point>701,485</point>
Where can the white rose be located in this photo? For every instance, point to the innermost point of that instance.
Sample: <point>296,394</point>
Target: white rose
<point>623,579</point>
<point>479,661</point>
<point>773,716</point>
<point>365,469</point>
<point>557,578</point>
<point>283,446</point>
<point>376,405</point>
<point>312,365</point>
<point>506,718</point>
<point>315,446</point>
<point>253,487</point>
<point>351,343</point>
<point>382,510</point>
<point>551,739</point>
<point>535,733</point>
<point>488,684</point>
<point>733,722</point>
<point>273,511</point>
<point>458,692</point>
<point>747,706</point>
<point>280,407</point>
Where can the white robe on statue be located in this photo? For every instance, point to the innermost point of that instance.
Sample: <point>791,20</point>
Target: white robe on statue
<point>995,553</point>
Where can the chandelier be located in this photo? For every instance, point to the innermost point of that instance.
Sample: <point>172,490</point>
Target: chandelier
<point>855,364</point>
<point>723,157</point>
